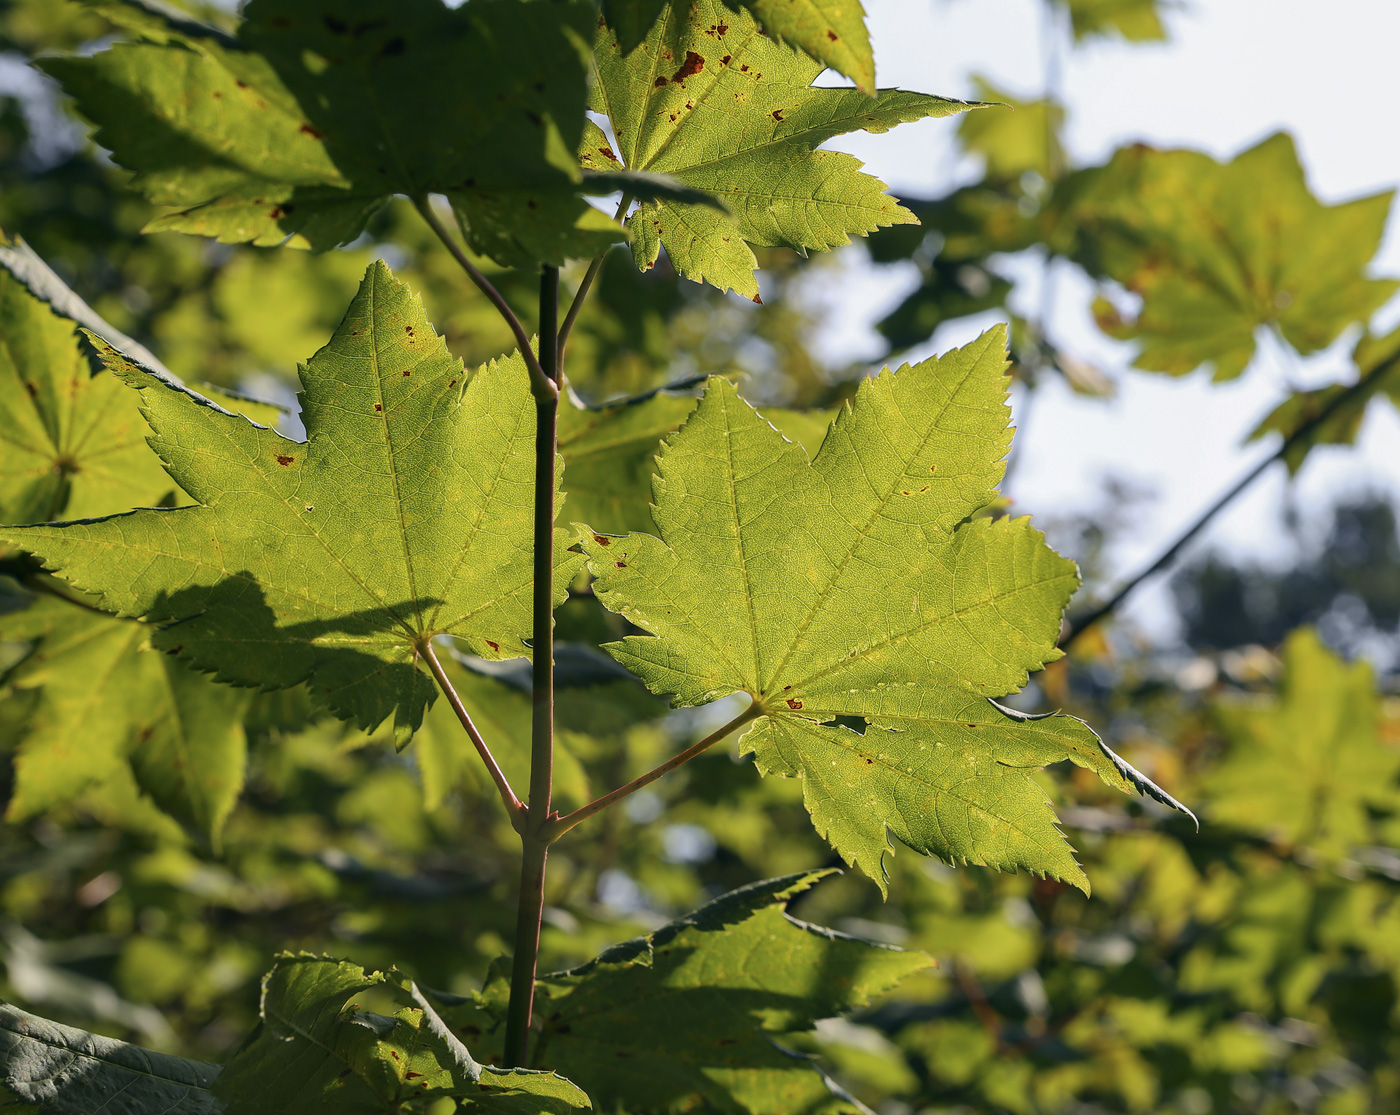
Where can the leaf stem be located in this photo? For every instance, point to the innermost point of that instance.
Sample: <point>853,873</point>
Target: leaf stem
<point>515,808</point>
<point>535,844</point>
<point>1077,627</point>
<point>588,277</point>
<point>539,381</point>
<point>558,826</point>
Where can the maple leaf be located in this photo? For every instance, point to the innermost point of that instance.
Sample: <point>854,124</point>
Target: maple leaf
<point>1308,767</point>
<point>691,1009</point>
<point>831,31</point>
<point>1217,250</point>
<point>69,440</point>
<point>710,101</point>
<point>405,515</point>
<point>106,701</point>
<point>316,1052</point>
<point>855,584</point>
<point>318,111</point>
<point>1137,21</point>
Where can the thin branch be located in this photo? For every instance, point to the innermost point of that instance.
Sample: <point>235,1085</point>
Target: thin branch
<point>515,808</point>
<point>558,826</point>
<point>1078,626</point>
<point>583,287</point>
<point>539,382</point>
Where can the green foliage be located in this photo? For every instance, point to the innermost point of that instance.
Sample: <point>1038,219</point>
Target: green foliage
<point>1217,250</point>
<point>813,603</point>
<point>439,545</point>
<point>71,1072</point>
<point>687,1011</point>
<point>1134,20</point>
<point>306,122</point>
<point>317,1052</point>
<point>710,101</point>
<point>1027,137</point>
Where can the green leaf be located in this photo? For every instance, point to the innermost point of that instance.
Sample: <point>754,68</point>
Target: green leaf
<point>1306,767</point>
<point>831,31</point>
<point>106,700</point>
<point>689,1012</point>
<point>69,440</point>
<point>405,515</point>
<point>316,1052</point>
<point>1217,250</point>
<point>320,110</point>
<point>1137,21</point>
<point>1342,426</point>
<point>1016,136</point>
<point>856,585</point>
<point>708,100</point>
<point>72,1072</point>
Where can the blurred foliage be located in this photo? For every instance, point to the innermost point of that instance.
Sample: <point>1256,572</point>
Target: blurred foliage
<point>1251,968</point>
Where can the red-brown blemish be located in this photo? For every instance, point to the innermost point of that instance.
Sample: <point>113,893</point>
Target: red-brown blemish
<point>218,96</point>
<point>241,84</point>
<point>493,646</point>
<point>31,389</point>
<point>307,129</point>
<point>378,407</point>
<point>408,329</point>
<point>831,35</point>
<point>277,213</point>
<point>972,725</point>
<point>660,83</point>
<point>793,702</point>
<point>406,373</point>
<point>451,383</point>
<point>758,300</point>
<point>725,60</point>
<point>722,28</point>
<point>620,564</point>
<point>673,118</point>
<point>778,115</point>
<point>694,63</point>
<point>284,460</point>
<point>607,153</point>
<point>743,69</point>
<point>411,1075</point>
<point>598,538</point>
<point>870,762</point>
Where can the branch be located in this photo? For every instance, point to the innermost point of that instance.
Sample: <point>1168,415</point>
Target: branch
<point>514,808</point>
<point>583,287</point>
<point>1077,627</point>
<point>539,382</point>
<point>558,826</point>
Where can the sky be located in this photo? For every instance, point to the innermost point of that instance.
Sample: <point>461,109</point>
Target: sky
<point>1233,72</point>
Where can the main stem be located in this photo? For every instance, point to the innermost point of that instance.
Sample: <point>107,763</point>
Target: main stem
<point>534,838</point>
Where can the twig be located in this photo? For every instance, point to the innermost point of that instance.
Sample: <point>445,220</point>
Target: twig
<point>535,842</point>
<point>539,381</point>
<point>1077,627</point>
<point>589,276</point>
<point>558,826</point>
<point>515,808</point>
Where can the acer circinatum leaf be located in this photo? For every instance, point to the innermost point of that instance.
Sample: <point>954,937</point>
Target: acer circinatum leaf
<point>406,514</point>
<point>691,1011</point>
<point>315,1052</point>
<point>1308,767</point>
<point>1137,21</point>
<point>1217,250</point>
<point>709,100</point>
<point>69,440</point>
<point>831,31</point>
<point>855,584</point>
<point>320,110</point>
<point>67,1071</point>
<point>106,700</point>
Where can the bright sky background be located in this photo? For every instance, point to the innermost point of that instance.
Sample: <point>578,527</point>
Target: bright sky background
<point>1234,72</point>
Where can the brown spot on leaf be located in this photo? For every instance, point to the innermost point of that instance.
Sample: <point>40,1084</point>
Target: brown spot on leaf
<point>722,28</point>
<point>218,96</point>
<point>725,60</point>
<point>743,69</point>
<point>241,84</point>
<point>408,329</point>
<point>32,389</point>
<point>451,383</point>
<point>693,64</point>
<point>830,34</point>
<point>598,538</point>
<point>607,153</point>
<point>869,762</point>
<point>758,299</point>
<point>620,564</point>
<point>406,373</point>
<point>493,646</point>
<point>307,129</point>
<point>793,702</point>
<point>660,83</point>
<point>379,408</point>
<point>284,460</point>
<point>778,115</point>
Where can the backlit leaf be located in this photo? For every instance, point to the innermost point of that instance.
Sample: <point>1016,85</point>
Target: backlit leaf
<point>1135,20</point>
<point>855,584</point>
<point>709,100</point>
<point>1217,250</point>
<point>406,515</point>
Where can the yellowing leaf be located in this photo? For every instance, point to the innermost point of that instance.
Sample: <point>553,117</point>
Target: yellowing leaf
<point>1217,250</point>
<point>856,584</point>
<point>1135,20</point>
<point>709,100</point>
<point>405,515</point>
<point>1015,135</point>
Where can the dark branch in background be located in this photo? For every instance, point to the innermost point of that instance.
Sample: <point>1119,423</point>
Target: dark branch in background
<point>1081,624</point>
<point>539,382</point>
<point>583,287</point>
